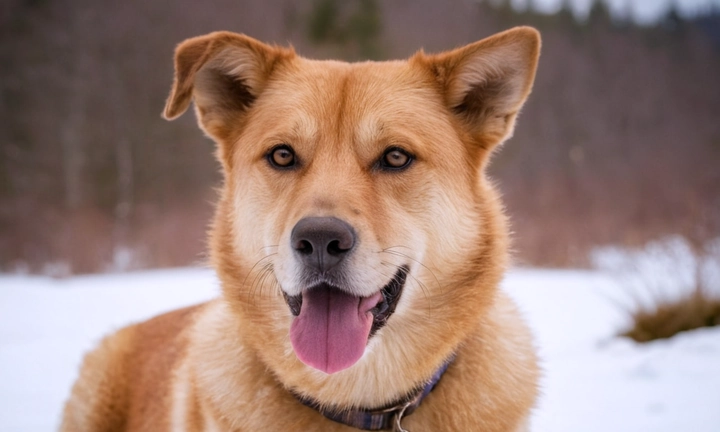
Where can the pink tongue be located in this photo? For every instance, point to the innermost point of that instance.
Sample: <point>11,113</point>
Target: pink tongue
<point>332,329</point>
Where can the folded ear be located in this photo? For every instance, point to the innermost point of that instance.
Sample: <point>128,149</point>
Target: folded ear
<point>223,73</point>
<point>486,83</point>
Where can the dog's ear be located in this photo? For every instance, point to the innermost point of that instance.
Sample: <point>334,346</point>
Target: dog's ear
<point>223,73</point>
<point>486,83</point>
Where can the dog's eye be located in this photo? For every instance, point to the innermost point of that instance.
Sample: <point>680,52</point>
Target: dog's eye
<point>282,156</point>
<point>395,158</point>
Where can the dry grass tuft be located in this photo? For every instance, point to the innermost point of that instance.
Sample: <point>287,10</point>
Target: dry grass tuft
<point>667,318</point>
<point>670,285</point>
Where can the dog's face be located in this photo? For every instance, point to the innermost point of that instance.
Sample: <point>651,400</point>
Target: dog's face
<point>355,225</point>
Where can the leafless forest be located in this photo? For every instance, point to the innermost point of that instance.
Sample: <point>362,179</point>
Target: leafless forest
<point>619,144</point>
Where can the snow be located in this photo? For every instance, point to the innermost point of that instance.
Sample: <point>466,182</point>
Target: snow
<point>46,325</point>
<point>593,380</point>
<point>597,382</point>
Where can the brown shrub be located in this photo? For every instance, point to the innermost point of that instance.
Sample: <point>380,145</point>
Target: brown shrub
<point>667,318</point>
<point>661,270</point>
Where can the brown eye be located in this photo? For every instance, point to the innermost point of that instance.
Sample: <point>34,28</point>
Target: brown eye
<point>395,158</point>
<point>282,156</point>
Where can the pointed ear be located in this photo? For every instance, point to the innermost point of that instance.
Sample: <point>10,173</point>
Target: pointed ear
<point>486,83</point>
<point>223,73</point>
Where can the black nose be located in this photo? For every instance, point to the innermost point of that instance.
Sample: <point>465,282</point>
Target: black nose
<point>321,243</point>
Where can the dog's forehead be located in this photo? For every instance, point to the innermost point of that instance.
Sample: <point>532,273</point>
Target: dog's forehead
<point>367,100</point>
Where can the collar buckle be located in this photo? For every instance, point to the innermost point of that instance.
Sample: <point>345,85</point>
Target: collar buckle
<point>397,426</point>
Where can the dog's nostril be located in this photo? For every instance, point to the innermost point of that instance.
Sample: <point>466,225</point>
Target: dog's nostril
<point>334,248</point>
<point>304,247</point>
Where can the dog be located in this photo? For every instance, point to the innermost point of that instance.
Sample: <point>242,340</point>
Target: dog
<point>359,244</point>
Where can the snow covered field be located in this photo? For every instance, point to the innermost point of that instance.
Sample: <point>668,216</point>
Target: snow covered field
<point>594,382</point>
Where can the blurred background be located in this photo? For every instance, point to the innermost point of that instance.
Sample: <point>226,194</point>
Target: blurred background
<point>619,143</point>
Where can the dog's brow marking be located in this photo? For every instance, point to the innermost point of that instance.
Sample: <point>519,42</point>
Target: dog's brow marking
<point>368,130</point>
<point>305,127</point>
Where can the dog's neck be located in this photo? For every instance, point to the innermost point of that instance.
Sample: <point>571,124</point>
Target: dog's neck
<point>386,418</point>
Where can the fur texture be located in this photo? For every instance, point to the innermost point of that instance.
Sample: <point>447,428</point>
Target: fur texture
<point>229,364</point>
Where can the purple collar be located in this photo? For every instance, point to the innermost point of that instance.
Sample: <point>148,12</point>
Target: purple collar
<point>387,418</point>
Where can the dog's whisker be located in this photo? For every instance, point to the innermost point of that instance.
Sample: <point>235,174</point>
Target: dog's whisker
<point>262,285</point>
<point>397,246</point>
<point>385,263</point>
<point>418,283</point>
<point>256,287</point>
<point>260,269</point>
<point>397,253</point>
<point>256,264</point>
<point>257,283</point>
<point>423,288</point>
<point>276,287</point>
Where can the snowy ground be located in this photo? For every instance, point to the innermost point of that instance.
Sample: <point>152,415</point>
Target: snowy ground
<point>593,381</point>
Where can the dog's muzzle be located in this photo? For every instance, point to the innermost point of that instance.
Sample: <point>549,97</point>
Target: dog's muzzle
<point>332,324</point>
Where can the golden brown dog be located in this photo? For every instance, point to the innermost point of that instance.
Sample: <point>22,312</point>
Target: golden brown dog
<point>359,244</point>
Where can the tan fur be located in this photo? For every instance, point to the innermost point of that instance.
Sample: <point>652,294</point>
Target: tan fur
<point>228,365</point>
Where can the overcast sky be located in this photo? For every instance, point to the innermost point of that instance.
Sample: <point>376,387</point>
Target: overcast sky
<point>643,11</point>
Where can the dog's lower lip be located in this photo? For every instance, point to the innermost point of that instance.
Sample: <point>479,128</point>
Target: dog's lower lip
<point>294,302</point>
<point>391,295</point>
<point>381,312</point>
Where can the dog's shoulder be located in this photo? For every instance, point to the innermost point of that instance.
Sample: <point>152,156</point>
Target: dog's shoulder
<point>125,379</point>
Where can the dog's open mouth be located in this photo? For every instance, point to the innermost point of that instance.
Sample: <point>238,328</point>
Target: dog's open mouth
<point>332,327</point>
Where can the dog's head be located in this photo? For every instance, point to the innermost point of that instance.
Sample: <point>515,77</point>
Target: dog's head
<point>356,230</point>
